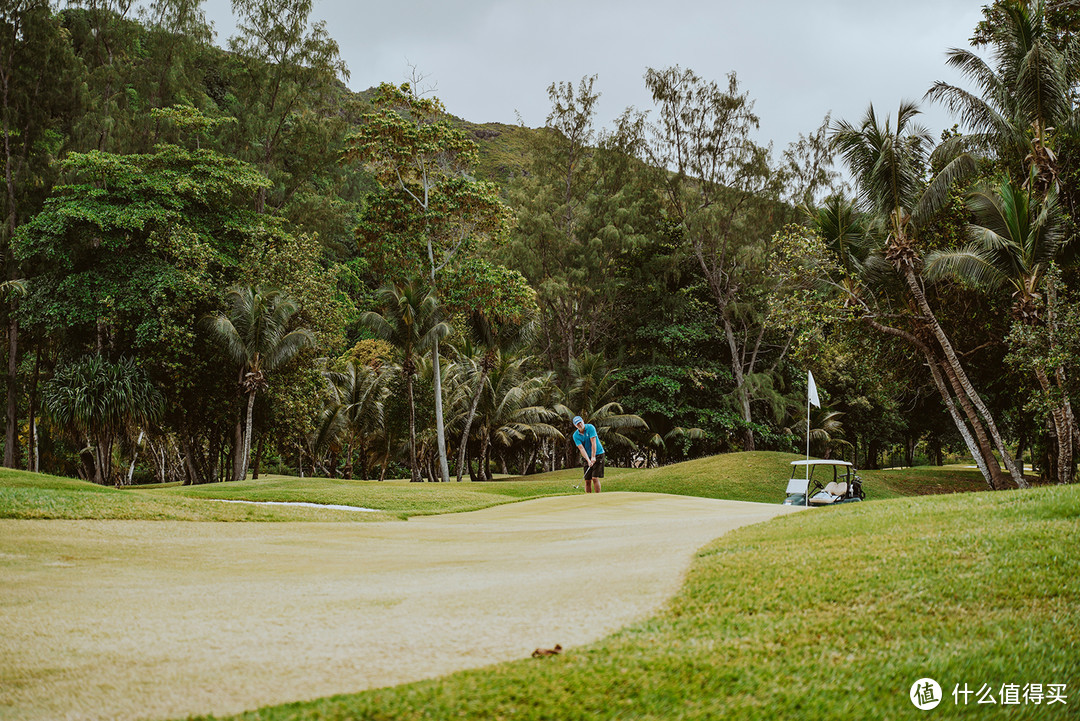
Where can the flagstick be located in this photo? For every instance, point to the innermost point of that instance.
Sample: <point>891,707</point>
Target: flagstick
<point>807,496</point>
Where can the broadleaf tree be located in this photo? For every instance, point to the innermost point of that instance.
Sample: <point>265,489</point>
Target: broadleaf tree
<point>422,161</point>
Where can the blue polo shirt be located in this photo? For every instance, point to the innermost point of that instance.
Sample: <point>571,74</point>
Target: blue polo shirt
<point>581,439</point>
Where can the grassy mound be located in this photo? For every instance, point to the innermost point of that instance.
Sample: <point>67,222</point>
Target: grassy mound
<point>761,476</point>
<point>818,615</point>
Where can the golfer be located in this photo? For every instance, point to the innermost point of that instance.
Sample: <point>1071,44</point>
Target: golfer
<point>588,443</point>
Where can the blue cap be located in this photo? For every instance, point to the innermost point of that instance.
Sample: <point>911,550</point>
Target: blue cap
<point>577,419</point>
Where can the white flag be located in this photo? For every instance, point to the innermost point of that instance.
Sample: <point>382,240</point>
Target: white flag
<point>811,390</point>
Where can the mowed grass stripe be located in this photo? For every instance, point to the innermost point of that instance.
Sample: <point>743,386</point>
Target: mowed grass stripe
<point>829,614</point>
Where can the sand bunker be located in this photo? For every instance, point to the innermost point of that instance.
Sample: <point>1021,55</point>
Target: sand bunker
<point>131,620</point>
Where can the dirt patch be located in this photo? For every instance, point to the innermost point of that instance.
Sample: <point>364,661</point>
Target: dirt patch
<point>131,620</point>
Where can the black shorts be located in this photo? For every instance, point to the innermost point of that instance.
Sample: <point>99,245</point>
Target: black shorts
<point>596,470</point>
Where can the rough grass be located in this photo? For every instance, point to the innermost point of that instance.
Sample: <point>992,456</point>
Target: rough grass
<point>758,476</point>
<point>817,615</point>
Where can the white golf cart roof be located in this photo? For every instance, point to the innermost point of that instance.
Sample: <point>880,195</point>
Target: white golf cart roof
<point>802,485</point>
<point>820,462</point>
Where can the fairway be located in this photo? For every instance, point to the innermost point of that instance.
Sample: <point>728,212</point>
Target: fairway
<point>148,620</point>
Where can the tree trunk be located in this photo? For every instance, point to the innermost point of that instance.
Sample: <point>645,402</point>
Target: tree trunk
<point>258,456</point>
<point>32,448</point>
<point>469,421</point>
<point>997,479</point>
<point>88,470</point>
<point>412,429</point>
<point>961,377</point>
<point>1062,431</point>
<point>958,421</point>
<point>247,437</point>
<point>11,437</point>
<point>238,450</point>
<point>741,390</point>
<point>484,461</point>
<point>440,432</point>
<point>135,456</point>
<point>189,460</point>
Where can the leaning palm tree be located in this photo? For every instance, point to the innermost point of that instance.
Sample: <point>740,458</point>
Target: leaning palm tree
<point>410,322</point>
<point>1015,237</point>
<point>889,167</point>
<point>255,334</point>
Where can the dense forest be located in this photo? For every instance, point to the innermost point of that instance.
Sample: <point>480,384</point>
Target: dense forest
<point>222,261</point>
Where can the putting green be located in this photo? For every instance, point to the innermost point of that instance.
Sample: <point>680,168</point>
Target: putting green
<point>131,620</point>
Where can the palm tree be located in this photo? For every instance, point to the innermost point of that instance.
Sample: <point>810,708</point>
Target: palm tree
<point>862,278</point>
<point>355,410</point>
<point>825,425</point>
<point>660,443</point>
<point>410,322</point>
<point>255,335</point>
<point>592,394</point>
<point>1025,97</point>
<point>495,334</point>
<point>847,235</point>
<point>98,401</point>
<point>512,409</point>
<point>1015,237</point>
<point>889,167</point>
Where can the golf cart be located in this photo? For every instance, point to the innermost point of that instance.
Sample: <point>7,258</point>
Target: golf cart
<point>823,483</point>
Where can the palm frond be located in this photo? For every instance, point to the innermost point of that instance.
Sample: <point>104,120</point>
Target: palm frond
<point>969,264</point>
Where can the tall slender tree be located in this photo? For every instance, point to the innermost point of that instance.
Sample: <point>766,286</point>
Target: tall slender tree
<point>40,92</point>
<point>722,191</point>
<point>291,66</point>
<point>410,322</point>
<point>422,161</point>
<point>255,334</point>
<point>582,207</point>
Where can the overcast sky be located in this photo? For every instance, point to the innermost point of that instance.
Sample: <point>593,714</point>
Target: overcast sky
<point>492,60</point>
